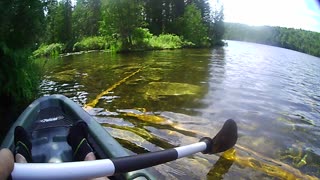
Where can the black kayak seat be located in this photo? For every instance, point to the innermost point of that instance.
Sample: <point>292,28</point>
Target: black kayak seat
<point>49,137</point>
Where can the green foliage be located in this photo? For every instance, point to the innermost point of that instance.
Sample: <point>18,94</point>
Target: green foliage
<point>141,37</point>
<point>90,43</point>
<point>86,17</point>
<point>194,29</point>
<point>20,29</point>
<point>216,27</point>
<point>168,41</point>
<point>299,40</point>
<point>19,79</point>
<point>161,15</point>
<point>52,50</point>
<point>125,24</point>
<point>20,23</point>
<point>121,18</point>
<point>22,72</point>
<point>58,22</point>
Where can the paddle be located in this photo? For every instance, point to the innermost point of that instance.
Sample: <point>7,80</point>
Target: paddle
<point>225,139</point>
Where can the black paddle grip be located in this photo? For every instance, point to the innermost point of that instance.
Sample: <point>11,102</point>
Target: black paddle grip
<point>141,161</point>
<point>208,141</point>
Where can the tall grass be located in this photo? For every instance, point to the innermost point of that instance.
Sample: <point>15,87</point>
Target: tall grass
<point>51,50</point>
<point>90,43</point>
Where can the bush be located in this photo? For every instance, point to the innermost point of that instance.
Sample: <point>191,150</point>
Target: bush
<point>90,43</point>
<point>49,50</point>
<point>168,41</point>
<point>19,77</point>
<point>141,37</point>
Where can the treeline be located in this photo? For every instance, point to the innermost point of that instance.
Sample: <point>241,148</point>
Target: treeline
<point>295,39</point>
<point>123,25</point>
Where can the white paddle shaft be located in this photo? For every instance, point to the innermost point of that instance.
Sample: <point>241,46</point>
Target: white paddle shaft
<point>98,168</point>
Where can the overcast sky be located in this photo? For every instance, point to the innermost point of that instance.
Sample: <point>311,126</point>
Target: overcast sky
<point>304,14</point>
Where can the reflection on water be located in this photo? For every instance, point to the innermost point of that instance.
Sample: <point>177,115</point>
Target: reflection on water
<point>156,100</point>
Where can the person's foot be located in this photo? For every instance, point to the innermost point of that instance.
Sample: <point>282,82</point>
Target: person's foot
<point>77,139</point>
<point>22,144</point>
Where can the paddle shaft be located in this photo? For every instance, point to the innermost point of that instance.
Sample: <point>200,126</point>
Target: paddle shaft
<point>224,139</point>
<point>105,167</point>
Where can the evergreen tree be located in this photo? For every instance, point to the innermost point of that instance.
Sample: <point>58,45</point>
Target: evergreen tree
<point>194,29</point>
<point>121,18</point>
<point>51,19</point>
<point>86,17</point>
<point>66,28</point>
<point>216,26</point>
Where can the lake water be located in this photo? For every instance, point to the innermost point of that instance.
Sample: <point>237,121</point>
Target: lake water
<point>156,100</point>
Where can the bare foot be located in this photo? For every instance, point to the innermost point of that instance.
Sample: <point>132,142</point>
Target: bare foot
<point>20,158</point>
<point>91,157</point>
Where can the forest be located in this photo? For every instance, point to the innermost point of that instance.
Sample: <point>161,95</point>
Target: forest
<point>34,28</point>
<point>129,25</point>
<point>294,39</point>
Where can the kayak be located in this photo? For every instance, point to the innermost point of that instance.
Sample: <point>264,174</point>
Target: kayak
<point>48,120</point>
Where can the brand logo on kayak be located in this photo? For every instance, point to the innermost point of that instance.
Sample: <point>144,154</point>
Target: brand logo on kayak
<point>51,119</point>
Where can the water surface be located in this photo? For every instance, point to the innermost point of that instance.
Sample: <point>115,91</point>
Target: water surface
<point>156,100</point>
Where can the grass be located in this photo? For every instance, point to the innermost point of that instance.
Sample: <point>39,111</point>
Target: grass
<point>51,50</point>
<point>168,41</point>
<point>90,43</point>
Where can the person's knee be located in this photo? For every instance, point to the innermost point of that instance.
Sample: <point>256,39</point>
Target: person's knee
<point>6,163</point>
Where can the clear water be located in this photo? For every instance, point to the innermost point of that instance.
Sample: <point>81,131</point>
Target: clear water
<point>156,100</point>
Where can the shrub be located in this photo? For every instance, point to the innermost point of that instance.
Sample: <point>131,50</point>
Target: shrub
<point>90,43</point>
<point>19,77</point>
<point>168,41</point>
<point>141,37</point>
<point>49,50</point>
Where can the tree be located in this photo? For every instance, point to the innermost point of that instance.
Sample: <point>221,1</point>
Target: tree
<point>21,24</point>
<point>51,21</point>
<point>194,29</point>
<point>216,27</point>
<point>121,18</point>
<point>153,16</point>
<point>59,22</point>
<point>86,17</point>
<point>66,26</point>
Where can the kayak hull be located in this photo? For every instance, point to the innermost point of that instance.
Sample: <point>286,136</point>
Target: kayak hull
<point>48,120</point>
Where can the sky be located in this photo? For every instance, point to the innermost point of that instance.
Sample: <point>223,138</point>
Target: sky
<point>299,14</point>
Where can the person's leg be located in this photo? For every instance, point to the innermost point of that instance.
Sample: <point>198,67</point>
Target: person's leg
<point>6,163</point>
<point>77,139</point>
<point>23,145</point>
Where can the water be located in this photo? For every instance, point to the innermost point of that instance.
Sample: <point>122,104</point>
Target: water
<point>156,100</point>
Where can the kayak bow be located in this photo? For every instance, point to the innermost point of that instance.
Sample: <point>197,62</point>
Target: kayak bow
<point>117,164</point>
<point>109,167</point>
